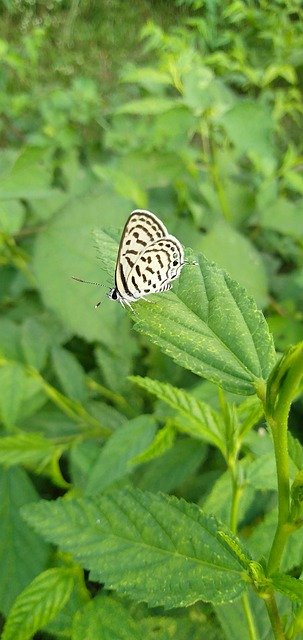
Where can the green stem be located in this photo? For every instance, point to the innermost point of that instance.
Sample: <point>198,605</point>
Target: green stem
<point>217,179</point>
<point>236,495</point>
<point>249,618</point>
<point>279,424</point>
<point>274,617</point>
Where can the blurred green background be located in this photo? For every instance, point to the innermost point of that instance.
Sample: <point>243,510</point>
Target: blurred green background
<point>192,109</point>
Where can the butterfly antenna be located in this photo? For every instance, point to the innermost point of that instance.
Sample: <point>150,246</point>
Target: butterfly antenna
<point>98,284</point>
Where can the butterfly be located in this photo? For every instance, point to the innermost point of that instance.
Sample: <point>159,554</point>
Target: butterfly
<point>149,259</point>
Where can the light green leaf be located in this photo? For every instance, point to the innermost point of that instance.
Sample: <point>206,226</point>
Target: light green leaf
<point>201,420</point>
<point>29,177</point>
<point>141,543</point>
<point>291,587</point>
<point>149,106</point>
<point>249,124</point>
<point>22,552</point>
<point>237,255</point>
<point>38,604</point>
<point>12,215</point>
<point>29,449</point>
<point>212,328</point>
<point>105,619</point>
<point>66,248</point>
<point>116,458</point>
<point>295,449</point>
<point>284,216</point>
<point>70,374</point>
<point>161,443</point>
<point>10,339</point>
<point>12,384</point>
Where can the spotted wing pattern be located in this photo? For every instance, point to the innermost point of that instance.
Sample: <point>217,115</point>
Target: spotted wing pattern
<point>149,257</point>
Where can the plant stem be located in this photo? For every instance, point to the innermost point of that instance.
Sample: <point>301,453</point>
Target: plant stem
<point>217,179</point>
<point>278,423</point>
<point>236,495</point>
<point>249,618</point>
<point>274,617</point>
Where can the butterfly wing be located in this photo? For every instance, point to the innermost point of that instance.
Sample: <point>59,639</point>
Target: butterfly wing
<point>141,230</point>
<point>155,268</point>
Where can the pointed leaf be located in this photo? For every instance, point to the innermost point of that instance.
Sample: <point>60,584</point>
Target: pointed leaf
<point>212,328</point>
<point>22,553</point>
<point>38,604</point>
<point>106,619</point>
<point>201,420</point>
<point>149,547</point>
<point>116,458</point>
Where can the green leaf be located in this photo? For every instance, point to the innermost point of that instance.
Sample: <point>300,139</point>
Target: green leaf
<point>201,420</point>
<point>250,127</point>
<point>162,442</point>
<point>237,354</point>
<point>141,543</point>
<point>29,177</point>
<point>56,261</point>
<point>291,587</point>
<point>230,249</point>
<point>174,467</point>
<point>116,458</point>
<point>106,619</point>
<point>234,623</point>
<point>31,450</point>
<point>295,450</point>
<point>38,604</point>
<point>12,384</point>
<point>12,216</point>
<point>70,374</point>
<point>284,216</point>
<point>35,343</point>
<point>22,552</point>
<point>148,106</point>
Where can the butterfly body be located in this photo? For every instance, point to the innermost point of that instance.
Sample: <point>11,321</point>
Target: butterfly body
<point>149,259</point>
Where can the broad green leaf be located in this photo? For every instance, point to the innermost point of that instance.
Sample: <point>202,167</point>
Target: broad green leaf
<point>260,541</point>
<point>22,552</point>
<point>12,216</point>
<point>289,586</point>
<point>148,106</point>
<point>66,248</point>
<point>29,177</point>
<point>174,467</point>
<point>34,452</point>
<point>295,450</point>
<point>234,622</point>
<point>35,343</point>
<point>284,216</point>
<point>162,442</point>
<point>250,127</point>
<point>141,543</point>
<point>70,374</point>
<point>106,619</point>
<point>12,383</point>
<point>116,457</point>
<point>10,339</point>
<point>38,604</point>
<point>219,499</point>
<point>236,254</point>
<point>201,420</point>
<point>117,361</point>
<point>212,328</point>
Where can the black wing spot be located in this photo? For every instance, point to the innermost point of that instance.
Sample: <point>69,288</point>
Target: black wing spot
<point>175,262</point>
<point>135,284</point>
<point>138,270</point>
